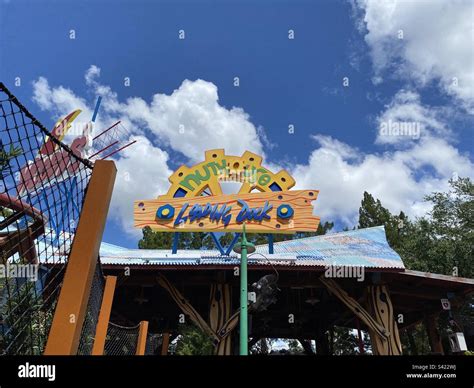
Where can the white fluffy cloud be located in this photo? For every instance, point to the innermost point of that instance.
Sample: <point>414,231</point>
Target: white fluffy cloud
<point>436,44</point>
<point>190,121</point>
<point>436,47</point>
<point>398,178</point>
<point>406,119</point>
<point>142,173</point>
<point>58,100</point>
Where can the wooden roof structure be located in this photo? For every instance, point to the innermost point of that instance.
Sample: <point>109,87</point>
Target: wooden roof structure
<point>303,292</point>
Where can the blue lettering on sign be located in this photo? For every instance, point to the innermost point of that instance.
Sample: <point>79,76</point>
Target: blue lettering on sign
<point>215,213</point>
<point>249,214</point>
<point>181,219</point>
<point>222,213</point>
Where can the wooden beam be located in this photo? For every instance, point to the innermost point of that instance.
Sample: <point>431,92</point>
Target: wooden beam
<point>186,307</point>
<point>220,310</point>
<point>104,316</point>
<point>380,305</point>
<point>165,344</point>
<point>142,335</point>
<point>70,311</point>
<point>355,307</point>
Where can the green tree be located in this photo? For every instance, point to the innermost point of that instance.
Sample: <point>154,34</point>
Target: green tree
<point>452,228</point>
<point>164,240</point>
<point>294,347</point>
<point>440,242</point>
<point>25,320</point>
<point>372,213</point>
<point>5,157</point>
<point>346,341</point>
<point>155,240</point>
<point>226,239</point>
<point>263,346</point>
<point>200,240</point>
<point>193,342</point>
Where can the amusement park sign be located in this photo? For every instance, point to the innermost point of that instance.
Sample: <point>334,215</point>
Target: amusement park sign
<point>195,201</point>
<point>53,164</point>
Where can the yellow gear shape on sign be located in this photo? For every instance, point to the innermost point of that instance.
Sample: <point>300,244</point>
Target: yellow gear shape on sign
<point>218,167</point>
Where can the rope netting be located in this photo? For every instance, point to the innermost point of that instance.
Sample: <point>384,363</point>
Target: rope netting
<point>86,341</point>
<point>42,188</point>
<point>121,340</point>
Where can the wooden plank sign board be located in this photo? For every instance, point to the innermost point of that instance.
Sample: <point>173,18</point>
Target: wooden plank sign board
<point>267,212</point>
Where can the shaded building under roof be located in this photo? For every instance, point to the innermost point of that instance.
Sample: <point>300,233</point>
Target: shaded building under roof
<point>338,279</point>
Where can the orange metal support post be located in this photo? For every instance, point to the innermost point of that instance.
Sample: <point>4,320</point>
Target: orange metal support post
<point>142,334</point>
<point>104,316</point>
<point>72,303</point>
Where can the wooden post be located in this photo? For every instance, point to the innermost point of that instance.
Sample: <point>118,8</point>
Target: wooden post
<point>371,322</point>
<point>219,313</point>
<point>70,311</point>
<point>186,307</point>
<point>104,316</point>
<point>433,335</point>
<point>382,310</point>
<point>165,344</point>
<point>141,342</point>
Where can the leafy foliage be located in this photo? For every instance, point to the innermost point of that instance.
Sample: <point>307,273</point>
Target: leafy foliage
<point>160,240</point>
<point>442,242</point>
<point>24,325</point>
<point>345,341</point>
<point>193,342</point>
<point>200,240</point>
<point>6,156</point>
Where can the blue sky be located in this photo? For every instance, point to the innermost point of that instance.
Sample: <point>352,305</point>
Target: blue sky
<point>425,78</point>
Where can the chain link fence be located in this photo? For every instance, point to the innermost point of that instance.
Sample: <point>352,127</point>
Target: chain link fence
<point>121,340</point>
<point>92,313</point>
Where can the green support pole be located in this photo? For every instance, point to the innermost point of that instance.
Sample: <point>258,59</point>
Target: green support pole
<point>243,300</point>
<point>243,248</point>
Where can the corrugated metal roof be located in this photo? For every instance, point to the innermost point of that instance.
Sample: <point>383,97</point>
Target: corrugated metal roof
<point>362,247</point>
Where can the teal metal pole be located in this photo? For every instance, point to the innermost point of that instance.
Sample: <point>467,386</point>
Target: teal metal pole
<point>243,248</point>
<point>243,298</point>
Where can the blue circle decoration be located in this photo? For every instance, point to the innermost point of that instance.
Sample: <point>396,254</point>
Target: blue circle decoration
<point>285,211</point>
<point>165,212</point>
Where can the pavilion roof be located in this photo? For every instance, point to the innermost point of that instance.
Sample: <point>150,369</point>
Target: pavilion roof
<point>361,247</point>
